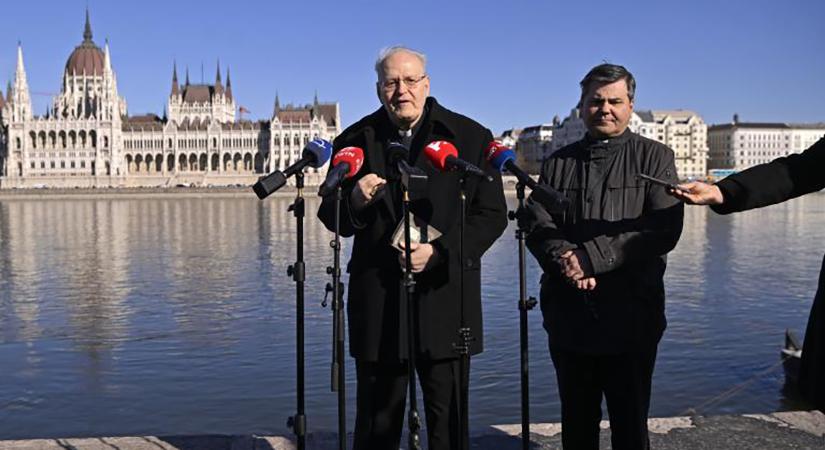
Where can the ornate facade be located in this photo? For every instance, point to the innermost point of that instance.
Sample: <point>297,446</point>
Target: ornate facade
<point>87,139</point>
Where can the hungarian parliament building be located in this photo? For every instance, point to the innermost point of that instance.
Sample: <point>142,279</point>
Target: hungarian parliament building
<point>87,139</point>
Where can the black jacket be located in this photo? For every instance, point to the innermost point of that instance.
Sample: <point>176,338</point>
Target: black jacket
<point>377,314</point>
<point>625,225</point>
<point>774,182</point>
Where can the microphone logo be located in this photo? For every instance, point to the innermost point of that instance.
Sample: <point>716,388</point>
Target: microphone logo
<point>435,146</point>
<point>494,148</point>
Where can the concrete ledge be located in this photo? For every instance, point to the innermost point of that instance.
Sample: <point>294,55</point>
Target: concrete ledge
<point>783,430</point>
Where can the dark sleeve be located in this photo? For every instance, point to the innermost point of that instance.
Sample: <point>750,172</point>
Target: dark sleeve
<point>774,182</point>
<point>350,220</point>
<point>545,238</point>
<point>487,211</point>
<point>654,233</point>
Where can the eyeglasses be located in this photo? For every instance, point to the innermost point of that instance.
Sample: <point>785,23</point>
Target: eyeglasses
<point>410,82</point>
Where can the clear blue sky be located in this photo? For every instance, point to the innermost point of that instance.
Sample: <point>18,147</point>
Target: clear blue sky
<point>505,64</point>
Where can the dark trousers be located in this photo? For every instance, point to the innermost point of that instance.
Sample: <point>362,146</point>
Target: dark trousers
<point>623,379</point>
<point>381,402</point>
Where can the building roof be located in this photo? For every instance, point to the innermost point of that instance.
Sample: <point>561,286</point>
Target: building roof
<point>753,125</point>
<point>292,114</point>
<point>246,125</point>
<point>659,115</point>
<point>87,58</point>
<point>144,122</point>
<point>513,132</point>
<point>198,93</point>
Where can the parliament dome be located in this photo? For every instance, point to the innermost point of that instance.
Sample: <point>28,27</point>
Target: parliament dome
<point>87,57</point>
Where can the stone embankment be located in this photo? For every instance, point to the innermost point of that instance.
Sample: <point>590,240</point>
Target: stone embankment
<point>777,431</point>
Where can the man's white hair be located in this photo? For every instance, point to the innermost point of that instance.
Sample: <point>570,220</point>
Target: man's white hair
<point>386,52</point>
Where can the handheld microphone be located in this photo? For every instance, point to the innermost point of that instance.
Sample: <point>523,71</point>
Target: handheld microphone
<point>444,156</point>
<point>502,157</point>
<point>345,164</point>
<point>315,154</point>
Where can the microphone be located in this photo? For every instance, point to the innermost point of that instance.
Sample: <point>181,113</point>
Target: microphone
<point>444,156</point>
<point>502,157</point>
<point>413,179</point>
<point>345,164</point>
<point>315,154</point>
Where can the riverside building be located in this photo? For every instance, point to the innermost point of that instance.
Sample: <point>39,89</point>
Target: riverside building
<point>86,138</point>
<point>738,145</point>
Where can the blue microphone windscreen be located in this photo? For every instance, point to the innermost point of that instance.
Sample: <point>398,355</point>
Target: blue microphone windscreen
<point>501,157</point>
<point>321,150</point>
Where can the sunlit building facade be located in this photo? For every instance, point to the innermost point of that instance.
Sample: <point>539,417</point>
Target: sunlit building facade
<point>86,138</point>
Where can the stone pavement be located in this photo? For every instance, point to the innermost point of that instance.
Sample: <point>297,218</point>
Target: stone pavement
<point>777,431</point>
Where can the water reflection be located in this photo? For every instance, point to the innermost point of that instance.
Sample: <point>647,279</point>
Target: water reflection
<point>176,316</point>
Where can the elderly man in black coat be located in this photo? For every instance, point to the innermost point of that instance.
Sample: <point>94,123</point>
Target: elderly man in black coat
<point>767,184</point>
<point>371,213</point>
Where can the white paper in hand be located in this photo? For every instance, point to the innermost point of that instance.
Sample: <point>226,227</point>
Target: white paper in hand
<point>420,233</point>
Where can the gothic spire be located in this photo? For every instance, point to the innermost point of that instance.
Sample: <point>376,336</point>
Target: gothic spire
<point>228,85</point>
<point>175,89</point>
<point>87,30</point>
<point>218,84</point>
<point>277,105</point>
<point>107,59</point>
<point>187,76</point>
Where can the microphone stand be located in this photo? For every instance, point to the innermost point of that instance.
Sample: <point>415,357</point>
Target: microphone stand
<point>525,304</point>
<point>413,419</point>
<point>297,272</point>
<point>465,335</point>
<point>337,370</point>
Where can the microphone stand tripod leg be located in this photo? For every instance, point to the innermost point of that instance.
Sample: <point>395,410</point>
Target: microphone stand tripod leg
<point>297,272</point>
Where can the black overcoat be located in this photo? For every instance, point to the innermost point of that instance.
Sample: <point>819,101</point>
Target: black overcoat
<point>375,301</point>
<point>774,182</point>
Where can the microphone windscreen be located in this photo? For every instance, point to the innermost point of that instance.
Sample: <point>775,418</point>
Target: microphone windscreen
<point>437,153</point>
<point>397,151</point>
<point>498,154</point>
<point>318,150</point>
<point>354,156</point>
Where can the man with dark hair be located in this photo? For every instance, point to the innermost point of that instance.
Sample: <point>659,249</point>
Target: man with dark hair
<point>602,291</point>
<point>371,212</point>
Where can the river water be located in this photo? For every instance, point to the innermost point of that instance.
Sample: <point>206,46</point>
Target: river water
<point>174,315</point>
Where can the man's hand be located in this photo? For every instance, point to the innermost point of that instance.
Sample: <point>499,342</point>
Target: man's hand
<point>422,257</point>
<point>586,284</point>
<point>366,190</point>
<point>698,193</point>
<point>575,265</point>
